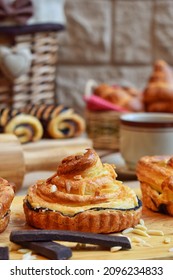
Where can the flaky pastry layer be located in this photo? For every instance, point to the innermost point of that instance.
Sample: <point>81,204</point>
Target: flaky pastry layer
<point>6,198</point>
<point>81,187</point>
<point>155,174</point>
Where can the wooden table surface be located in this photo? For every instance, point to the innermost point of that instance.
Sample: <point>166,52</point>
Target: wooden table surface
<point>155,248</point>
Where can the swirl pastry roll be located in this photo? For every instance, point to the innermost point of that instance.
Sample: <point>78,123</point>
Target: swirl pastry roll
<point>6,198</point>
<point>27,128</point>
<point>155,174</point>
<point>83,195</point>
<point>58,121</point>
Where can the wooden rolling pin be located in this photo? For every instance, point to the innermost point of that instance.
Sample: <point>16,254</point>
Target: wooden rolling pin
<point>45,155</point>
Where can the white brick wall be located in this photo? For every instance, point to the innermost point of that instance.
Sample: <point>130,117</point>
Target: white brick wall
<point>113,41</point>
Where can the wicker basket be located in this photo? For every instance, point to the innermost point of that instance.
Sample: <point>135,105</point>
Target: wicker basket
<point>103,128</point>
<point>38,84</point>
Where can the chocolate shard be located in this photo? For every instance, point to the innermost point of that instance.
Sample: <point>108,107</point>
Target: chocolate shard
<point>4,253</point>
<point>50,250</point>
<point>71,236</point>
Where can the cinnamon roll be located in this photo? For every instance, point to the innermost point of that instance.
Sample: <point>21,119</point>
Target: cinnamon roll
<point>83,195</point>
<point>155,174</point>
<point>27,128</point>
<point>6,198</point>
<point>58,121</point>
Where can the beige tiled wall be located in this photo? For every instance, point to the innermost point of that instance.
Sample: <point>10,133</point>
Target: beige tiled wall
<point>113,41</point>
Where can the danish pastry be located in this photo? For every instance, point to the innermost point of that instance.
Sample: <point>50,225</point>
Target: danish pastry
<point>155,174</point>
<point>6,198</point>
<point>83,195</point>
<point>58,121</point>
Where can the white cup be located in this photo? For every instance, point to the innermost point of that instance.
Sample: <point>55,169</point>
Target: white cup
<point>145,134</point>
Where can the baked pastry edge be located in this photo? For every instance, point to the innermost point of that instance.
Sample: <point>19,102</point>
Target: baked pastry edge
<point>102,221</point>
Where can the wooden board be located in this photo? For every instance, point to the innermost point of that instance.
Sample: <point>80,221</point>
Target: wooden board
<point>158,249</point>
<point>54,143</point>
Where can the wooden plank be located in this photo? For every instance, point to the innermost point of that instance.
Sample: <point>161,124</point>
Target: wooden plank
<point>47,154</point>
<point>54,143</point>
<point>158,249</point>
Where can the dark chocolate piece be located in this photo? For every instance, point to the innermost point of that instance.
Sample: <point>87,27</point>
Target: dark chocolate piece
<point>48,249</point>
<point>4,253</point>
<point>31,29</point>
<point>71,236</point>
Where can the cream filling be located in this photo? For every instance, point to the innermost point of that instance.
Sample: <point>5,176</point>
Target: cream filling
<point>129,201</point>
<point>165,196</point>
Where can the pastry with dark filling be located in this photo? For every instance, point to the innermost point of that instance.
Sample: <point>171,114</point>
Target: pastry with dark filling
<point>27,128</point>
<point>83,195</point>
<point>155,174</point>
<point>58,121</point>
<point>6,198</point>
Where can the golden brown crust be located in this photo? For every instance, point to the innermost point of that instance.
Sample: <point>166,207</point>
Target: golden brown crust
<point>103,221</point>
<point>77,163</point>
<point>82,195</point>
<point>155,174</point>
<point>6,198</point>
<point>58,121</point>
<point>159,89</point>
<point>27,128</point>
<point>127,97</point>
<point>4,221</point>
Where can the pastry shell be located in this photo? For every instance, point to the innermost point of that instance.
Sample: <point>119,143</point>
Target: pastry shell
<point>96,221</point>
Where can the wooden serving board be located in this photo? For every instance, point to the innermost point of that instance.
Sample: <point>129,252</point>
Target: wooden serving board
<point>158,249</point>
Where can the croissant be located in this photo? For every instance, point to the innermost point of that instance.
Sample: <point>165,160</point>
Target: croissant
<point>27,128</point>
<point>159,89</point>
<point>126,97</point>
<point>58,121</point>
<point>6,198</point>
<point>155,174</point>
<point>82,195</point>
